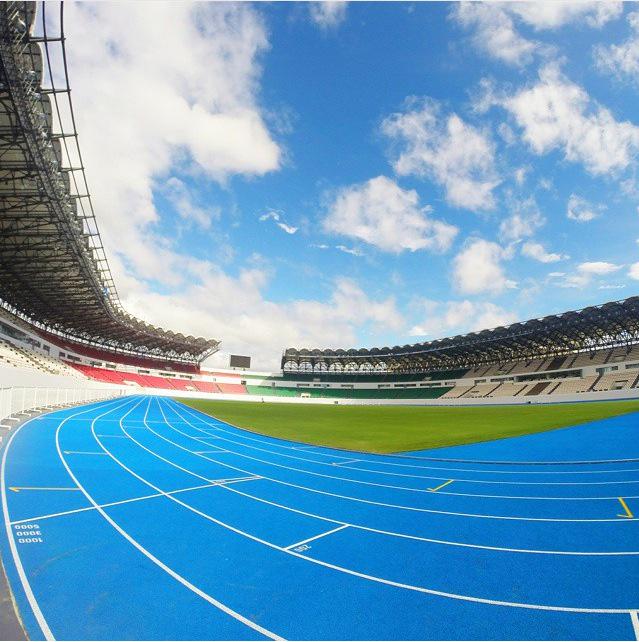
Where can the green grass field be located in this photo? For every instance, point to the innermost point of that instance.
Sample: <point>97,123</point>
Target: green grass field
<point>386,429</point>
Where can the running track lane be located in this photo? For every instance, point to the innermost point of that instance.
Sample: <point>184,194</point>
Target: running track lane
<point>166,523</point>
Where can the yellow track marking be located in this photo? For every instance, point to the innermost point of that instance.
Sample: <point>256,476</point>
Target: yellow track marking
<point>434,490</point>
<point>628,514</point>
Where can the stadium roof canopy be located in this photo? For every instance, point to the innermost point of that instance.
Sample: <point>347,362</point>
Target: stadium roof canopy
<point>601,326</point>
<point>53,269</point>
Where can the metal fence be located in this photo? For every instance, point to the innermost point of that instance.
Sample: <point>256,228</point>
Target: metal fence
<point>14,401</point>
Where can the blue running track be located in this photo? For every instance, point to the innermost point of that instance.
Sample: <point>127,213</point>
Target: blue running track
<point>140,518</point>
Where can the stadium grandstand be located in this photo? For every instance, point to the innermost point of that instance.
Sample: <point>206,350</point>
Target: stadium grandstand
<point>60,313</point>
<point>135,506</point>
<point>54,273</point>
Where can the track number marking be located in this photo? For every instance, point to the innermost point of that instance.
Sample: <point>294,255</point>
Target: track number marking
<point>28,533</point>
<point>302,548</point>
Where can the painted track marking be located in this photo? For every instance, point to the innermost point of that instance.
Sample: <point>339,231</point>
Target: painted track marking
<point>26,586</point>
<point>374,530</point>
<point>634,618</point>
<point>312,539</point>
<point>419,589</point>
<point>376,503</point>
<point>179,578</point>
<point>440,468</point>
<point>628,514</point>
<point>17,489</point>
<point>408,488</point>
<point>434,490</point>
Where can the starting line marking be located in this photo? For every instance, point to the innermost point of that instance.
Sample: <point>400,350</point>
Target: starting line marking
<point>312,539</point>
<point>434,490</point>
<point>628,514</point>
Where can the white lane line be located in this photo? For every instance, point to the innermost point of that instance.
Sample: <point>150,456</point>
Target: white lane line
<point>312,539</point>
<point>26,586</point>
<point>404,488</point>
<point>421,477</point>
<point>380,580</point>
<point>430,540</point>
<point>109,504</point>
<point>370,501</point>
<point>634,618</point>
<point>393,534</point>
<point>182,580</point>
<point>80,452</point>
<point>114,436</point>
<point>371,457</point>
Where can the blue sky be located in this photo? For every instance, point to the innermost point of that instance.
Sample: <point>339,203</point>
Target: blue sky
<point>337,175</point>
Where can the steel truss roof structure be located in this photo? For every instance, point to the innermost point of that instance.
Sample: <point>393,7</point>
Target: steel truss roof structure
<point>608,325</point>
<point>53,269</point>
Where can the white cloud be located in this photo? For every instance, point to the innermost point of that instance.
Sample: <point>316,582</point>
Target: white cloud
<point>633,272</point>
<point>622,60</point>
<point>586,272</point>
<point>457,317</point>
<point>446,149</point>
<point>272,215</point>
<point>178,194</point>
<point>388,217</point>
<point>349,250</point>
<point>189,105</point>
<point>555,113</point>
<point>579,209</point>
<point>146,111</point>
<point>328,14</point>
<point>236,310</point>
<point>598,268</point>
<point>552,14</point>
<point>495,31</point>
<point>538,252</point>
<point>525,221</point>
<point>520,175</point>
<point>478,268</point>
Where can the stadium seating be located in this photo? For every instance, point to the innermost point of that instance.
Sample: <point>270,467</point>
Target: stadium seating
<point>349,393</point>
<point>232,388</point>
<point>12,355</point>
<point>130,360</point>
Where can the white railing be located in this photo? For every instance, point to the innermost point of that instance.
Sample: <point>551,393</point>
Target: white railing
<point>19,400</point>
